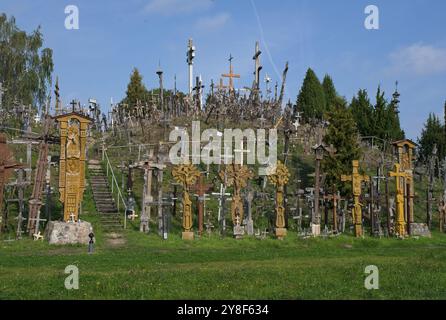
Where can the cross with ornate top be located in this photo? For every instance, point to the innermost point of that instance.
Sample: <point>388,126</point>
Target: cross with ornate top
<point>236,176</point>
<point>357,180</point>
<point>400,227</point>
<point>186,175</point>
<point>280,178</point>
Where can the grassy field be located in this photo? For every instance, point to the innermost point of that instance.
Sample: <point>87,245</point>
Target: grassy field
<point>146,267</point>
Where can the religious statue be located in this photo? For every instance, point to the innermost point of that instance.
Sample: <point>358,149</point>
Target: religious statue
<point>280,178</point>
<point>400,221</point>
<point>356,179</point>
<point>186,175</point>
<point>236,176</point>
<point>73,140</point>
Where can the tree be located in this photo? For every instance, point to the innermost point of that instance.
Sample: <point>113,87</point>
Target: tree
<point>311,99</point>
<point>329,92</point>
<point>393,120</point>
<point>136,90</point>
<point>342,134</point>
<point>25,68</point>
<point>363,113</point>
<point>432,134</point>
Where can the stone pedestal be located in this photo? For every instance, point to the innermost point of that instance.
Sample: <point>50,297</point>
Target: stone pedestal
<point>239,232</point>
<point>281,233</point>
<point>189,235</point>
<point>420,230</point>
<point>68,232</point>
<point>316,230</point>
<point>250,227</point>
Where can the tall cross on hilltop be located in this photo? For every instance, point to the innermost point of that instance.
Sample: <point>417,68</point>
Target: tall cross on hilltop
<point>231,74</point>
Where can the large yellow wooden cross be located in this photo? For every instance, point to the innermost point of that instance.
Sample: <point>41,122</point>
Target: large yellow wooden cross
<point>356,180</point>
<point>400,226</point>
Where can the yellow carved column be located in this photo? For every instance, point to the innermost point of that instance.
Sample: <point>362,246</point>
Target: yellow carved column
<point>236,176</point>
<point>400,225</point>
<point>356,180</point>
<point>280,178</point>
<point>73,151</point>
<point>187,175</point>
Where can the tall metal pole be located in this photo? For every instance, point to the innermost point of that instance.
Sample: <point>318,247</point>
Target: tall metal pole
<point>190,62</point>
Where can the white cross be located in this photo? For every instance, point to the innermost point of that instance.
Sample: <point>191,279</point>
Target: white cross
<point>242,151</point>
<point>37,236</point>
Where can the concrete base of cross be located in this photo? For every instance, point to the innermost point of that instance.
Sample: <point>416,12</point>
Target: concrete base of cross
<point>68,232</point>
<point>281,233</point>
<point>188,235</point>
<point>316,230</point>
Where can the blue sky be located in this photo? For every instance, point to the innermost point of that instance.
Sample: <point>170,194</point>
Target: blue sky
<point>328,36</point>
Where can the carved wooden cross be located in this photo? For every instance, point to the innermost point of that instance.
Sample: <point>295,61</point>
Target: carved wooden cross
<point>400,227</point>
<point>202,189</point>
<point>187,175</point>
<point>280,178</point>
<point>335,198</point>
<point>356,180</point>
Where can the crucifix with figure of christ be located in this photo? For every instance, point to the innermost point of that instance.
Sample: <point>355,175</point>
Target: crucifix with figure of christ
<point>231,75</point>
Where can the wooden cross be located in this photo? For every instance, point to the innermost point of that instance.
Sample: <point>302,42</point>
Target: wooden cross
<point>400,227</point>
<point>73,104</point>
<point>236,176</point>
<point>201,188</point>
<point>280,178</point>
<point>231,74</point>
<point>7,165</point>
<point>335,198</point>
<point>356,179</point>
<point>187,175</point>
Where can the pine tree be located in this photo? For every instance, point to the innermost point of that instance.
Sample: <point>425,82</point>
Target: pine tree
<point>380,114</point>
<point>432,134</point>
<point>311,99</point>
<point>329,92</point>
<point>363,113</point>
<point>342,134</point>
<point>393,120</point>
<point>136,91</point>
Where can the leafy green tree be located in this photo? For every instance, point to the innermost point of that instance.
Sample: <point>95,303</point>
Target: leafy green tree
<point>25,67</point>
<point>311,98</point>
<point>363,113</point>
<point>342,134</point>
<point>432,134</point>
<point>136,90</point>
<point>329,92</point>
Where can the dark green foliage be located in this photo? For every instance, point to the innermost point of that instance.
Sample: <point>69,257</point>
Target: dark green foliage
<point>342,134</point>
<point>136,90</point>
<point>362,111</point>
<point>311,99</point>
<point>329,92</point>
<point>25,68</point>
<point>380,120</point>
<point>432,133</point>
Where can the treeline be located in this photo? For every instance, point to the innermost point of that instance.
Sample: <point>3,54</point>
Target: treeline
<point>432,136</point>
<point>316,100</point>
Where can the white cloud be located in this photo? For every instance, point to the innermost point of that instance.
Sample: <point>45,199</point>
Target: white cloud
<point>213,23</point>
<point>418,59</point>
<point>175,7</point>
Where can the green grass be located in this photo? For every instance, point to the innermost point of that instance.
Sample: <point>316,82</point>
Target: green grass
<point>213,268</point>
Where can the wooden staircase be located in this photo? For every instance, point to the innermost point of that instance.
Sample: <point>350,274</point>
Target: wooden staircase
<point>105,204</point>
